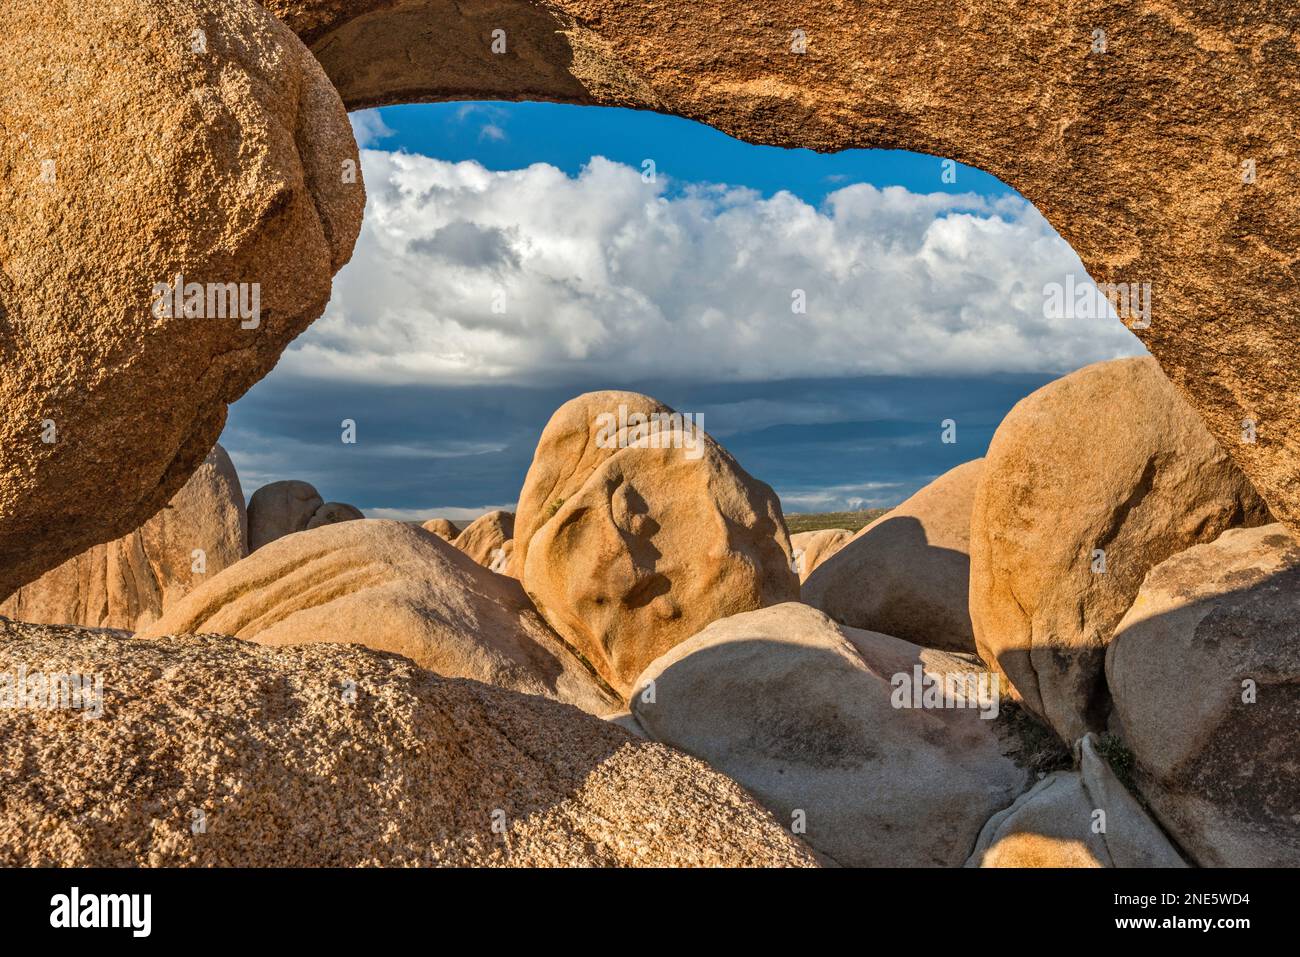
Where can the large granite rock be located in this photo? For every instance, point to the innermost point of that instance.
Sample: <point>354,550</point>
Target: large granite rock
<point>908,572</point>
<point>657,543</point>
<point>394,588</point>
<point>129,582</point>
<point>574,443</point>
<point>146,139</point>
<point>1205,673</point>
<point>215,752</point>
<point>1088,483</point>
<point>280,509</point>
<point>802,712</point>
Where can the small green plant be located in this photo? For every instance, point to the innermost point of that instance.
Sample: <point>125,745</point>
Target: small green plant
<point>1120,759</point>
<point>1033,745</point>
<point>555,507</point>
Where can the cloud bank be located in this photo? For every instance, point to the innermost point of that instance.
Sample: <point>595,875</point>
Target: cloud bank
<point>466,276</point>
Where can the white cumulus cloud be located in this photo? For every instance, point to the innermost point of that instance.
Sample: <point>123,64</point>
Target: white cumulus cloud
<point>465,275</point>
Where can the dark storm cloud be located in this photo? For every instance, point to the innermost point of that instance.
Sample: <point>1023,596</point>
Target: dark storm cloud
<point>822,444</point>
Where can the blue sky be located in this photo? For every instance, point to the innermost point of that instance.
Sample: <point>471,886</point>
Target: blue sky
<point>505,136</point>
<point>824,312</point>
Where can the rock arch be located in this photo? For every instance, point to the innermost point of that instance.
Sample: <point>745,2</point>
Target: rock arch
<point>1135,155</point>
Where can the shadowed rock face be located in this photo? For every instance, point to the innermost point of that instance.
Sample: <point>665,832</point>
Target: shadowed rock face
<point>1205,672</point>
<point>1014,89</point>
<point>131,581</point>
<point>331,755</point>
<point>331,513</point>
<point>1054,824</point>
<point>1089,483</point>
<point>280,509</point>
<point>141,140</point>
<point>804,713</point>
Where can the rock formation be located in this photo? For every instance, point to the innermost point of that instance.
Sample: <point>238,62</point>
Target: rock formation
<point>110,404</point>
<point>330,755</point>
<point>655,544</point>
<point>484,539</point>
<point>250,193</point>
<point>442,528</point>
<point>129,582</point>
<point>907,574</point>
<point>1121,205</point>
<point>1088,483</point>
<point>280,509</point>
<point>333,512</point>
<point>1205,673</point>
<point>800,711</point>
<point>1081,818</point>
<point>575,442</point>
<point>810,549</point>
<point>393,588</point>
<point>982,83</point>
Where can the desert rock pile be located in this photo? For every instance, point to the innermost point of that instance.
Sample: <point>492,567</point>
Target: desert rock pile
<point>128,583</point>
<point>1204,226</point>
<point>392,587</point>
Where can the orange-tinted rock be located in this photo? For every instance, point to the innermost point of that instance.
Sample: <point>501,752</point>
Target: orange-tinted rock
<point>485,538</point>
<point>146,139</point>
<point>129,582</point>
<point>443,528</point>
<point>658,542</point>
<point>907,574</point>
<point>395,588</point>
<point>1088,484</point>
